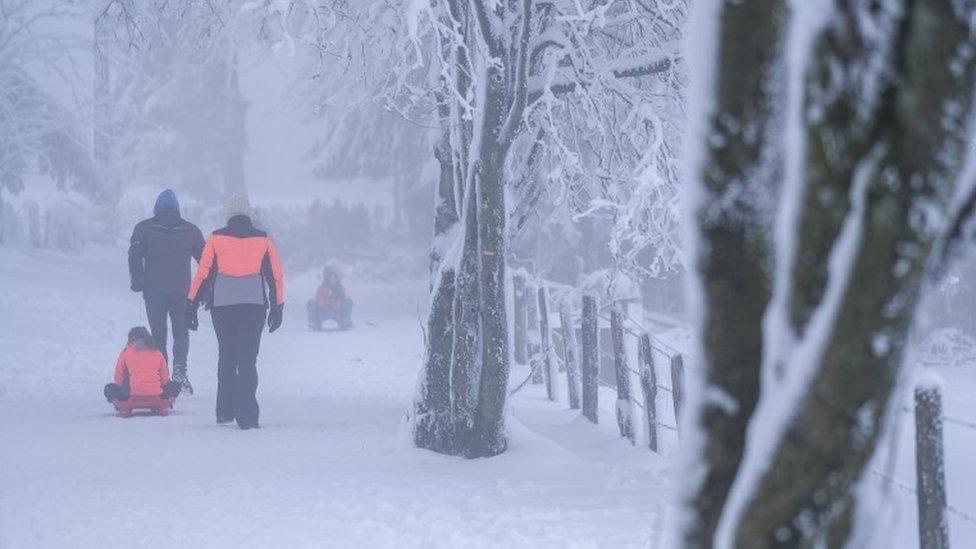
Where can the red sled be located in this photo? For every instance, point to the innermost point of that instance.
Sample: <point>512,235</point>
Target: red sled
<point>156,405</point>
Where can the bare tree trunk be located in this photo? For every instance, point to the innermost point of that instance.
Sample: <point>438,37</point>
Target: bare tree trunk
<point>885,143</point>
<point>433,427</point>
<point>466,359</point>
<point>919,132</point>
<point>490,181</point>
<point>740,175</point>
<point>480,355</point>
<point>234,139</point>
<point>432,409</point>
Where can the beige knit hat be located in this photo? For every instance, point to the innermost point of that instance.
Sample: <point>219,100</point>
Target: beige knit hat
<point>238,204</point>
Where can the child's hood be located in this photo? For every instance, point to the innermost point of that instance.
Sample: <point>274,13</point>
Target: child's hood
<point>140,344</point>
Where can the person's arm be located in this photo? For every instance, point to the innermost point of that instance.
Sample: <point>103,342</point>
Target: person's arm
<point>203,270</point>
<point>137,259</point>
<point>322,295</point>
<point>120,369</point>
<point>274,275</point>
<point>198,243</point>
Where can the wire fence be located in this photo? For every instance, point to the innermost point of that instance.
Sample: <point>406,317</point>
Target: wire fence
<point>665,388</point>
<point>907,488</point>
<point>631,327</point>
<point>959,422</point>
<point>636,328</point>
<point>640,405</point>
<point>947,419</point>
<point>543,362</point>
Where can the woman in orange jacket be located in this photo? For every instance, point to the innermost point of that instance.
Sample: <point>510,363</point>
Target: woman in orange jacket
<point>141,371</point>
<point>239,277</point>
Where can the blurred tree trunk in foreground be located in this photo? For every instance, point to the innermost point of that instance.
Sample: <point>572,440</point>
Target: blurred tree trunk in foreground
<point>886,101</point>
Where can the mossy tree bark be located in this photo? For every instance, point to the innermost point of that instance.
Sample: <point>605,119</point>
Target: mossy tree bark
<point>740,175</point>
<point>886,112</point>
<point>917,127</point>
<point>432,407</point>
<point>432,414</point>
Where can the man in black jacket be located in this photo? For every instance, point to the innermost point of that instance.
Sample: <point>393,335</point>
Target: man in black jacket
<point>159,266</point>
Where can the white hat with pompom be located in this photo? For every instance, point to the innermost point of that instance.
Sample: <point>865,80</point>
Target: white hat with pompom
<point>238,204</point>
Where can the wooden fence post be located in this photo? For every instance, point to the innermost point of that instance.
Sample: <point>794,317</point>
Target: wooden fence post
<point>625,416</point>
<point>532,341</point>
<point>519,336</point>
<point>677,387</point>
<point>591,359</point>
<point>933,526</point>
<point>648,379</point>
<point>545,339</point>
<point>559,345</point>
<point>570,352</point>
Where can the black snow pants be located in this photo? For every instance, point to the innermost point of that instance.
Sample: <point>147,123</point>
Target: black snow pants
<point>173,307</point>
<point>115,392</point>
<point>238,330</point>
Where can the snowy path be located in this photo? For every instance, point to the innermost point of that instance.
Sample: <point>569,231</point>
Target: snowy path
<point>330,467</point>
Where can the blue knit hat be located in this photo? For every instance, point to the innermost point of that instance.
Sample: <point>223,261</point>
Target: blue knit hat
<point>167,203</point>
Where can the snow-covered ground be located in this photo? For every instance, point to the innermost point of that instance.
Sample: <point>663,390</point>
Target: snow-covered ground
<point>331,465</point>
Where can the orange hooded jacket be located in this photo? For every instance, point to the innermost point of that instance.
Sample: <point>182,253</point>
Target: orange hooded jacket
<point>329,297</point>
<point>235,261</point>
<point>144,368</point>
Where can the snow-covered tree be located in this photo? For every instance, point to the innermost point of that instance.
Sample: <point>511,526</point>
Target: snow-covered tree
<point>168,107</point>
<point>817,207</point>
<point>37,132</point>
<point>493,80</point>
<point>496,69</point>
<point>606,117</point>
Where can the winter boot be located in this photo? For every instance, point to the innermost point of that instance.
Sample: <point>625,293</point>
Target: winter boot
<point>179,376</point>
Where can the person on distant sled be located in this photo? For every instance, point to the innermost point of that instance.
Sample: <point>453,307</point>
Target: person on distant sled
<point>331,302</point>
<point>142,377</point>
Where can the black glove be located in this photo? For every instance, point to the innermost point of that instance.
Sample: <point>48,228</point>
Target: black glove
<point>274,317</point>
<point>192,321</point>
<point>136,286</point>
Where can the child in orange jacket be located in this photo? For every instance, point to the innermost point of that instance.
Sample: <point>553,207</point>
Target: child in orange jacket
<point>331,302</point>
<point>141,370</point>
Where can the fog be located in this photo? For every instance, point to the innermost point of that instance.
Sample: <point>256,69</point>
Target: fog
<point>279,132</point>
<point>514,273</point>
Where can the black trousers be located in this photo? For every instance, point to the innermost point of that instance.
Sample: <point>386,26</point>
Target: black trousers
<point>114,391</point>
<point>173,307</point>
<point>238,330</point>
